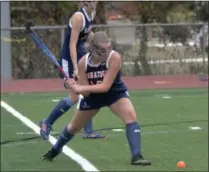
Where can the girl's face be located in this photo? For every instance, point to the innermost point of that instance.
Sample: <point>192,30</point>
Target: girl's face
<point>90,5</point>
<point>101,52</point>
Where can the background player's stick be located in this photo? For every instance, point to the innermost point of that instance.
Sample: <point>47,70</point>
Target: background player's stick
<point>44,48</point>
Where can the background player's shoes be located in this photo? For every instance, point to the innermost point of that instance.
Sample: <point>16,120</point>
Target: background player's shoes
<point>93,135</point>
<point>50,155</point>
<point>45,130</point>
<point>139,160</point>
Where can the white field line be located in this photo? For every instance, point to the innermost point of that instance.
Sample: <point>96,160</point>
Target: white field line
<point>168,132</point>
<point>191,129</point>
<point>172,96</point>
<point>84,163</point>
<point>195,128</point>
<point>144,133</point>
<point>11,125</point>
<point>21,143</point>
<point>55,100</point>
<point>32,133</point>
<point>121,130</point>
<point>181,96</point>
<point>155,95</point>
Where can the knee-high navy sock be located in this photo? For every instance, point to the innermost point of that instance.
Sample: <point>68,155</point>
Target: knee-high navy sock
<point>62,107</point>
<point>134,138</point>
<point>88,127</point>
<point>64,137</point>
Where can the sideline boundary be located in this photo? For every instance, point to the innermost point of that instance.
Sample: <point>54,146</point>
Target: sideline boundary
<point>84,163</point>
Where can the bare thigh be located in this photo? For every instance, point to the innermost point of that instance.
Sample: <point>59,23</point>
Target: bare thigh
<point>80,119</point>
<point>124,109</point>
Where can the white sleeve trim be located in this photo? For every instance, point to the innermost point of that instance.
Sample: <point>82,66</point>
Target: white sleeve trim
<point>108,59</point>
<point>86,60</point>
<point>84,22</point>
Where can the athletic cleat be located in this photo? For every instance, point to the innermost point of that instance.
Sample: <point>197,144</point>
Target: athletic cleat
<point>45,130</point>
<point>93,135</point>
<point>50,155</point>
<point>140,161</point>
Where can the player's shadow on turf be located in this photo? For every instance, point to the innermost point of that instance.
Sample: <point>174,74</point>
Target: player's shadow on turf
<point>148,125</point>
<point>104,129</point>
<point>19,140</point>
<point>156,124</point>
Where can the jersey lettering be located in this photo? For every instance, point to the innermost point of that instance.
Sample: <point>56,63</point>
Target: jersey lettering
<point>96,74</point>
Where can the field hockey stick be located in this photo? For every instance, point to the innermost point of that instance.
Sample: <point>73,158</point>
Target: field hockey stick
<point>44,48</point>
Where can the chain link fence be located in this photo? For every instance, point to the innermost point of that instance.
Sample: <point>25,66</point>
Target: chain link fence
<point>147,49</point>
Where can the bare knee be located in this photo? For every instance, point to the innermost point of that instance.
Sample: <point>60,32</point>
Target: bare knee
<point>124,110</point>
<point>73,128</point>
<point>130,117</point>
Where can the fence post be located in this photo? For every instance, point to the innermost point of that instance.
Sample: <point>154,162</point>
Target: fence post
<point>203,48</point>
<point>6,63</point>
<point>62,36</point>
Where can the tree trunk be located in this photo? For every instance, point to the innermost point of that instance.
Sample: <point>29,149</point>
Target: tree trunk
<point>100,17</point>
<point>144,68</point>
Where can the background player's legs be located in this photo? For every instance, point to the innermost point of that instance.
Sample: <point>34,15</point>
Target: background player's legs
<point>124,109</point>
<point>80,119</point>
<point>62,107</point>
<point>77,123</point>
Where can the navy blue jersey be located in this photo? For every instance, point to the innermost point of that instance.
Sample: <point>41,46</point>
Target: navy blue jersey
<point>65,58</point>
<point>95,74</point>
<point>86,29</point>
